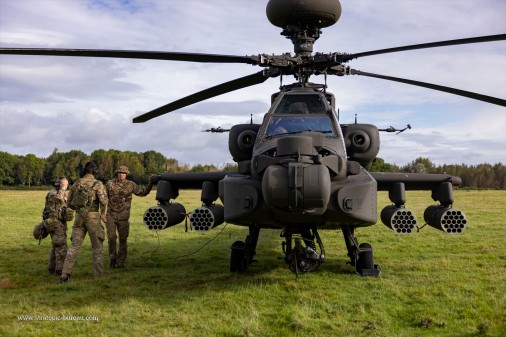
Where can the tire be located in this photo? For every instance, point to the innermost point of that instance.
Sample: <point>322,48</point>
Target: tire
<point>238,257</point>
<point>365,258</point>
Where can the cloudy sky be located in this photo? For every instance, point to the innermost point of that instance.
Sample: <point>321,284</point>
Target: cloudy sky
<point>89,103</point>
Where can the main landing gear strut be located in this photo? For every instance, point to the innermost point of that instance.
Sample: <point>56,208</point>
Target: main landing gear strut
<point>361,256</point>
<point>242,253</point>
<point>301,253</point>
<point>299,248</point>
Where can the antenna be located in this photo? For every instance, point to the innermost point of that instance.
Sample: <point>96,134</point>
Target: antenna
<point>355,118</point>
<point>251,122</point>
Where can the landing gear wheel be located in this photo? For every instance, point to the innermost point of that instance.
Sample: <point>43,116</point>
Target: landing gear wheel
<point>365,263</point>
<point>238,257</point>
<point>361,256</point>
<point>365,257</point>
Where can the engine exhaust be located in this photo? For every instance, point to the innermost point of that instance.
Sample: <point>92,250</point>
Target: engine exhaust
<point>399,219</point>
<point>449,220</point>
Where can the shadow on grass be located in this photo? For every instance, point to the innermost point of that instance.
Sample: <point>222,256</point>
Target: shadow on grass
<point>155,270</point>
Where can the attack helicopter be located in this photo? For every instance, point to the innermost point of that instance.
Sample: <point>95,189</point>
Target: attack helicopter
<point>300,170</point>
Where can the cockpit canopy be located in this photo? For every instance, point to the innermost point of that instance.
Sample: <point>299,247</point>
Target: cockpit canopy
<point>302,104</point>
<point>279,125</point>
<point>297,113</point>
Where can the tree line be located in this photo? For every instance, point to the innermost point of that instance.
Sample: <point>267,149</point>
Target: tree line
<point>30,170</point>
<point>485,176</point>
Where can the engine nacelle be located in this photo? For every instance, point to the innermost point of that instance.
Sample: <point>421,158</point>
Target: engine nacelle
<point>399,219</point>
<point>241,140</point>
<point>205,218</point>
<point>449,220</point>
<point>164,216</point>
<point>362,142</point>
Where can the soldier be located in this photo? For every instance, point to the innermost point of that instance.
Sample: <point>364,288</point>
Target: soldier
<point>119,192</point>
<point>55,218</point>
<point>87,196</point>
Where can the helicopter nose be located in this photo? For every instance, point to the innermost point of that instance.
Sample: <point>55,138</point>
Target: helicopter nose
<point>298,183</point>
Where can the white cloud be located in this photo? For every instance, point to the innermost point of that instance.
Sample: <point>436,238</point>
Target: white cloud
<point>89,103</point>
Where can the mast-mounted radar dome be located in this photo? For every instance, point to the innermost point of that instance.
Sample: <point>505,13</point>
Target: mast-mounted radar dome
<point>318,13</point>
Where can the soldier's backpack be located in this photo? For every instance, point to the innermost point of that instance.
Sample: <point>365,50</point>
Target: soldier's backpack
<point>82,196</point>
<point>65,214</point>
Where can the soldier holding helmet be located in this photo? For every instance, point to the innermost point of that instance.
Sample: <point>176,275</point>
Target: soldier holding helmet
<point>55,217</point>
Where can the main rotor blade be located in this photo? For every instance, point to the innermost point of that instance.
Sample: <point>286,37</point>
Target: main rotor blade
<point>132,54</point>
<point>469,94</point>
<point>223,88</point>
<point>488,38</point>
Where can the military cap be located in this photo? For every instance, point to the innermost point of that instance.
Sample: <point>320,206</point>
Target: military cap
<point>123,169</point>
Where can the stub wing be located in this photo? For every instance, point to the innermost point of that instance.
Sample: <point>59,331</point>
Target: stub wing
<point>190,180</point>
<point>168,213</point>
<point>413,181</point>
<point>442,216</point>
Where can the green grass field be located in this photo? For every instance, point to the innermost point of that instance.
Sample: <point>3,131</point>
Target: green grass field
<point>432,284</point>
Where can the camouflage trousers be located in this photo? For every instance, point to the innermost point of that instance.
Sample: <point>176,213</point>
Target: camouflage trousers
<point>89,224</point>
<point>122,227</point>
<point>58,232</point>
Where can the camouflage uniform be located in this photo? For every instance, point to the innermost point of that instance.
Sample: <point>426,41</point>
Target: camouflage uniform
<point>118,213</point>
<point>56,225</point>
<point>88,221</point>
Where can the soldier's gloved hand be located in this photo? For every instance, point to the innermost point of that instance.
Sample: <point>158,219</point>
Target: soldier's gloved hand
<point>153,179</point>
<point>103,218</point>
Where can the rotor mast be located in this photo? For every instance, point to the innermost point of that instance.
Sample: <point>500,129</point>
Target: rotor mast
<point>301,20</point>
<point>303,38</point>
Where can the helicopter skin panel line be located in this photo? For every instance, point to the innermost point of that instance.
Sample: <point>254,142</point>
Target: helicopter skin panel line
<point>133,54</point>
<point>459,92</point>
<point>488,38</point>
<point>220,89</point>
<point>413,181</point>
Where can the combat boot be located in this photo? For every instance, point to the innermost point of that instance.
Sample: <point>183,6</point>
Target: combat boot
<point>57,272</point>
<point>64,277</point>
<point>112,262</point>
<point>51,271</point>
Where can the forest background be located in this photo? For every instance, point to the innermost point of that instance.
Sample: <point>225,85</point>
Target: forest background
<point>32,172</point>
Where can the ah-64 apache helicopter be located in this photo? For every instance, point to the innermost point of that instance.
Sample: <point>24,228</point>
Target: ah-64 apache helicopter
<point>299,171</point>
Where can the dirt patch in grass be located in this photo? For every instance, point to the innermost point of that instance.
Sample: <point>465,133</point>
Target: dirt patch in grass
<point>6,283</point>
